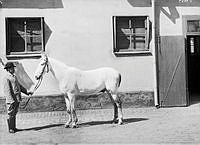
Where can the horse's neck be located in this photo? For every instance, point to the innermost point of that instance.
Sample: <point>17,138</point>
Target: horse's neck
<point>58,68</point>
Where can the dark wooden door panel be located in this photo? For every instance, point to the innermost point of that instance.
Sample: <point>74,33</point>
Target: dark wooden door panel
<point>172,71</point>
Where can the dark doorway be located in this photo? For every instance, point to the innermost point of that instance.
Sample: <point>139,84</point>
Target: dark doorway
<point>193,65</point>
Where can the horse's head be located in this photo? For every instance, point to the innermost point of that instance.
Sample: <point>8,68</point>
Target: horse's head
<point>42,67</point>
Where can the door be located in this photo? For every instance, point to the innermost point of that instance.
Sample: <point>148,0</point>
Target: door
<point>193,59</point>
<point>172,71</point>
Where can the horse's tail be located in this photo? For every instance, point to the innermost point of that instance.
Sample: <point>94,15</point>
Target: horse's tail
<point>119,80</point>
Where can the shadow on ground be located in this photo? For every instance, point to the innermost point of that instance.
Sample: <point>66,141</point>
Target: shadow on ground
<point>86,124</point>
<point>41,127</point>
<point>125,121</point>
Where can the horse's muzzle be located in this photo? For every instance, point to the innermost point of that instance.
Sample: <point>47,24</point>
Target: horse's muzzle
<point>37,77</point>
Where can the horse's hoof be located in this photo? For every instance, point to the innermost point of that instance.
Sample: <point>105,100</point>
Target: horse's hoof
<point>120,122</point>
<point>67,126</point>
<point>74,126</point>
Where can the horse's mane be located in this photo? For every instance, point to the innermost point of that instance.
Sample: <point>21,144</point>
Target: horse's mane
<point>57,62</point>
<point>61,64</point>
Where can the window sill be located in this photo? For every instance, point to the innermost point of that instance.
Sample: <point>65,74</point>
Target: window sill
<point>22,56</point>
<point>135,53</point>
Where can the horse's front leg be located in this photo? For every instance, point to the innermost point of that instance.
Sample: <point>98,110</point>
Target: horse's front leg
<point>68,106</point>
<point>75,119</point>
<point>73,111</point>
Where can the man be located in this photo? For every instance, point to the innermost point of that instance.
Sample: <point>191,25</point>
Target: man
<point>12,91</point>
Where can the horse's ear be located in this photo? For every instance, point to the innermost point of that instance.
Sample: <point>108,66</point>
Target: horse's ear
<point>1,61</point>
<point>43,55</point>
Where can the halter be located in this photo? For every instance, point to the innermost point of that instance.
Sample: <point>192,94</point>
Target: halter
<point>35,88</point>
<point>45,65</point>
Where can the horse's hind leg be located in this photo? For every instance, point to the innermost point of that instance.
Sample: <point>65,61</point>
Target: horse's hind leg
<point>119,108</point>
<point>118,103</point>
<point>73,111</point>
<point>115,119</point>
<point>68,106</point>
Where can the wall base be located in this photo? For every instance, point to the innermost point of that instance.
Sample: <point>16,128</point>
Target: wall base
<point>57,102</point>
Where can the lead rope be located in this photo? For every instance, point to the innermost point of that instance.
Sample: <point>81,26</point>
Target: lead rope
<point>35,88</point>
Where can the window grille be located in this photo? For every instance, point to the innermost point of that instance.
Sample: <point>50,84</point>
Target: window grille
<point>131,34</point>
<point>24,36</point>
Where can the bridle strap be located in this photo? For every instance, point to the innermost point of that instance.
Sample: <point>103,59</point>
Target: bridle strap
<point>45,65</point>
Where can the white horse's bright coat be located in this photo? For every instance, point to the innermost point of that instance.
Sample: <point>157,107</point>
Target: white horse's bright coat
<point>73,82</point>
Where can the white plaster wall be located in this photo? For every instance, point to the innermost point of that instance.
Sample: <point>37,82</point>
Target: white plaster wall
<point>168,27</point>
<point>82,36</point>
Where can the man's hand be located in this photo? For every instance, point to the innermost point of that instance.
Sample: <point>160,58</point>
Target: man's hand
<point>29,93</point>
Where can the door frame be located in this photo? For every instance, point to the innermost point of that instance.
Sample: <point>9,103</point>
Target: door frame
<point>185,18</point>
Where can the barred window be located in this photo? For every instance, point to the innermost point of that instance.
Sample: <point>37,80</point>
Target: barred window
<point>131,34</point>
<point>24,36</point>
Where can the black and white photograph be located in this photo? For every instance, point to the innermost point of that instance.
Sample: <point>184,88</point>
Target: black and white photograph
<point>99,72</point>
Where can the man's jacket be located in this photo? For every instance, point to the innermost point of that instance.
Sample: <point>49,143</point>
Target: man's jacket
<point>12,88</point>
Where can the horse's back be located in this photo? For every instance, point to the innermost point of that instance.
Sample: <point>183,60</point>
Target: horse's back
<point>91,81</point>
<point>109,76</point>
<point>98,79</point>
<point>109,70</point>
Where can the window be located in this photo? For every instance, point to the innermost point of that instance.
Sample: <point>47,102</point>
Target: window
<point>193,36</point>
<point>131,34</point>
<point>193,26</point>
<point>24,37</point>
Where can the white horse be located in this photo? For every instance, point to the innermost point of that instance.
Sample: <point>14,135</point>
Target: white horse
<point>73,82</point>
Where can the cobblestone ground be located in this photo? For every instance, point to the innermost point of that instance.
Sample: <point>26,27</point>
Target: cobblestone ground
<point>177,125</point>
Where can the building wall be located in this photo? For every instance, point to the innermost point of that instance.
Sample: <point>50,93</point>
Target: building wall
<point>172,47</point>
<point>81,34</point>
<point>171,14</point>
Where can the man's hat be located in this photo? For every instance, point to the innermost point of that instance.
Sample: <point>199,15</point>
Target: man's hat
<point>9,65</point>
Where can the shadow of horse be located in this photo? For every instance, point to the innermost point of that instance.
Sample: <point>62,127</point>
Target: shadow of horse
<point>41,127</point>
<point>86,124</point>
<point>125,121</point>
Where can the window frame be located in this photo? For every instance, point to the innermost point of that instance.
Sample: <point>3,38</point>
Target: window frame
<point>24,54</point>
<point>145,51</point>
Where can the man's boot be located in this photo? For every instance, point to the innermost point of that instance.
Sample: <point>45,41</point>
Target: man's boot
<point>8,121</point>
<point>10,125</point>
<point>14,125</point>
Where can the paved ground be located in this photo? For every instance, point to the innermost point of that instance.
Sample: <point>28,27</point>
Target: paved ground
<point>175,125</point>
